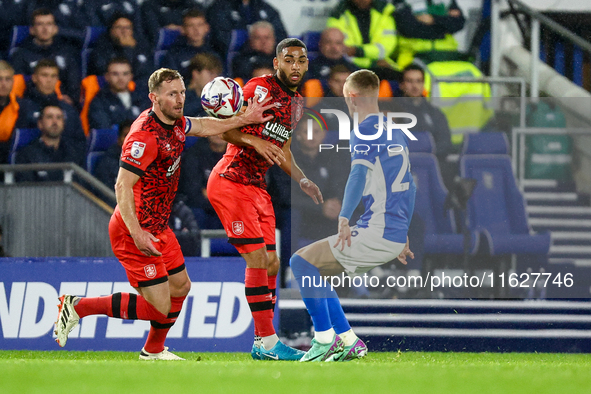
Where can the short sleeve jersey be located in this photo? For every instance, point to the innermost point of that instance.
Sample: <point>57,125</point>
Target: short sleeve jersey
<point>243,164</point>
<point>152,150</point>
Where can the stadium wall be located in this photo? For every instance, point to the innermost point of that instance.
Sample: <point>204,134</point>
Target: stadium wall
<point>215,316</point>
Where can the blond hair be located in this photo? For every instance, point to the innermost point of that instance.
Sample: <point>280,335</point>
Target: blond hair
<point>162,75</point>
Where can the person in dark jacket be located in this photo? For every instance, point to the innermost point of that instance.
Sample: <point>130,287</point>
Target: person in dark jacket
<point>203,68</point>
<point>332,53</point>
<point>120,41</point>
<point>157,14</point>
<point>115,102</point>
<point>107,167</point>
<point>69,16</point>
<point>228,15</point>
<point>50,148</point>
<point>101,12</point>
<point>41,92</point>
<point>44,43</point>
<point>14,13</point>
<point>191,41</point>
<point>259,51</point>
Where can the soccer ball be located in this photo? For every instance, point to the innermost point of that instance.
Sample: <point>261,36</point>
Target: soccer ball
<point>222,97</point>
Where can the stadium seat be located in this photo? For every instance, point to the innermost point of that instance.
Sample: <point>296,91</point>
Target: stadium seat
<point>91,161</point>
<point>159,56</point>
<point>441,233</point>
<point>497,207</point>
<point>312,39</point>
<point>91,36</point>
<point>99,141</point>
<point>190,141</point>
<point>19,33</point>
<point>165,38</point>
<point>21,138</point>
<point>237,40</point>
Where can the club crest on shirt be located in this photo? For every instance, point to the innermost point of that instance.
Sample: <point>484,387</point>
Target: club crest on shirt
<point>179,133</point>
<point>237,228</point>
<point>150,271</point>
<point>261,91</point>
<point>137,149</point>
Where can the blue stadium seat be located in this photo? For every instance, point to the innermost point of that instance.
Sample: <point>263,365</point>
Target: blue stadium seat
<point>237,40</point>
<point>92,159</point>
<point>91,35</point>
<point>312,39</point>
<point>441,235</point>
<point>158,57</point>
<point>190,141</point>
<point>165,38</point>
<point>19,33</point>
<point>99,140</point>
<point>497,207</point>
<point>20,139</point>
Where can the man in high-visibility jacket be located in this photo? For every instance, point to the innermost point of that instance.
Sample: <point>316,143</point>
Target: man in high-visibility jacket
<point>8,109</point>
<point>370,34</point>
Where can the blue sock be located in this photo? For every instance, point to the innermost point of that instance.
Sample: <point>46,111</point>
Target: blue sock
<point>313,290</point>
<point>337,315</point>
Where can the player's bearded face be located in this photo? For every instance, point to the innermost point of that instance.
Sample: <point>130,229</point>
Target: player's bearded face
<point>171,99</point>
<point>291,66</point>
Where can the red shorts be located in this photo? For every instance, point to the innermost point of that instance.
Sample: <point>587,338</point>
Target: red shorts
<point>246,212</point>
<point>141,270</point>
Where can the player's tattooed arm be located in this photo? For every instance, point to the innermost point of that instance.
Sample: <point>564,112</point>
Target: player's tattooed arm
<point>254,114</point>
<point>294,171</point>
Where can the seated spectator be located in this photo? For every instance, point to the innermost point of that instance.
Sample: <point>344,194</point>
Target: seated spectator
<point>69,16</point>
<point>332,52</point>
<point>100,12</point>
<point>197,163</point>
<point>259,51</point>
<point>261,69</point>
<point>157,14</point>
<point>228,15</point>
<point>429,117</point>
<point>115,102</point>
<point>203,68</point>
<point>40,92</point>
<point>192,41</point>
<point>316,90</point>
<point>44,43</point>
<point>425,30</point>
<point>107,167</point>
<point>119,41</point>
<point>9,107</point>
<point>370,34</point>
<point>329,169</point>
<point>50,148</point>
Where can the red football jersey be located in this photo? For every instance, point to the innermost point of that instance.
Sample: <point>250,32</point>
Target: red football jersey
<point>243,164</point>
<point>152,150</point>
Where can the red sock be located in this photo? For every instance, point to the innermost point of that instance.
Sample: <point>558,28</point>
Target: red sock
<point>121,305</point>
<point>272,279</point>
<point>256,288</point>
<point>159,329</point>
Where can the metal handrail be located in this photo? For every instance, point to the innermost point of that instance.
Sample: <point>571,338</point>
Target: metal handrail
<point>69,169</point>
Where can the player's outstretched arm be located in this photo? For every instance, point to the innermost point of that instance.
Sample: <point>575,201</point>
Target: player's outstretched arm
<point>268,150</point>
<point>203,127</point>
<point>125,199</point>
<point>290,167</point>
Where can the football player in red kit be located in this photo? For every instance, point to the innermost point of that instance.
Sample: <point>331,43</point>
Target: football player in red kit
<point>236,189</point>
<point>140,237</point>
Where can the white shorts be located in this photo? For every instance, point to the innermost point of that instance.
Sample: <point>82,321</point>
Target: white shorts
<point>368,250</point>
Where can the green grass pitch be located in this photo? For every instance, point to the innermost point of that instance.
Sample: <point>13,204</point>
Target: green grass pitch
<point>25,372</point>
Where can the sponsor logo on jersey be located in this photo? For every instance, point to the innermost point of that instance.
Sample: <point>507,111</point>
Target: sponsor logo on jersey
<point>277,131</point>
<point>137,149</point>
<point>133,161</point>
<point>171,170</point>
<point>237,228</point>
<point>150,271</point>
<point>261,91</point>
<point>179,133</point>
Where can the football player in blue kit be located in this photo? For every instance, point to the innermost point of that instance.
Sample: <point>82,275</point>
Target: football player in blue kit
<point>380,178</point>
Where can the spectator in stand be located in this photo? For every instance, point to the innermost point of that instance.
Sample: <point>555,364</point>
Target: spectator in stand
<point>425,30</point>
<point>332,53</point>
<point>203,68</point>
<point>50,148</point>
<point>44,43</point>
<point>115,103</point>
<point>370,34</point>
<point>197,163</point>
<point>261,69</point>
<point>157,14</point>
<point>69,16</point>
<point>9,107</point>
<point>259,51</point>
<point>228,15</point>
<point>107,167</point>
<point>41,91</point>
<point>336,80</point>
<point>192,41</point>
<point>13,13</point>
<point>101,12</point>
<point>119,41</point>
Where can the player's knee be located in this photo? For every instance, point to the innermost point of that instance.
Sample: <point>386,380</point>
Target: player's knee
<point>163,305</point>
<point>185,288</point>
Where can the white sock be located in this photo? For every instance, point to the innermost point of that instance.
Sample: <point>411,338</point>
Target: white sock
<point>325,336</point>
<point>348,337</point>
<point>270,341</point>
